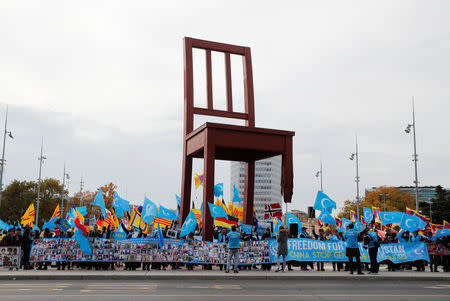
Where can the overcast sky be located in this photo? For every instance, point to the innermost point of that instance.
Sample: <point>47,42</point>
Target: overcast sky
<point>102,82</point>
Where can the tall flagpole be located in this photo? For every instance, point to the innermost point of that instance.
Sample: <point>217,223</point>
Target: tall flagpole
<point>41,160</point>
<point>2,163</point>
<point>357,178</point>
<point>416,181</point>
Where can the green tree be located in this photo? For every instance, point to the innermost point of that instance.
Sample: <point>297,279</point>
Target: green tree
<point>440,206</point>
<point>18,195</point>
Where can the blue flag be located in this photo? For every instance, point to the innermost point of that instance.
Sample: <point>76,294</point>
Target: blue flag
<point>326,218</point>
<point>345,223</point>
<point>368,215</point>
<point>236,198</point>
<point>441,233</point>
<point>149,211</point>
<point>3,225</point>
<point>70,219</point>
<point>160,236</point>
<point>358,225</point>
<point>218,190</point>
<point>50,224</point>
<point>189,224</point>
<point>167,214</point>
<point>217,211</point>
<point>82,242</point>
<point>388,217</point>
<point>292,219</point>
<point>99,201</point>
<point>324,203</point>
<point>412,223</point>
<point>120,205</point>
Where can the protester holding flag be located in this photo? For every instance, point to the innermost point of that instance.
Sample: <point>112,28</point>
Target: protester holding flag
<point>372,243</point>
<point>352,250</point>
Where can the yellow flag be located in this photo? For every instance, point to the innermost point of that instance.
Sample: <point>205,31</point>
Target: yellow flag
<point>114,220</point>
<point>57,212</point>
<point>28,217</point>
<point>236,211</point>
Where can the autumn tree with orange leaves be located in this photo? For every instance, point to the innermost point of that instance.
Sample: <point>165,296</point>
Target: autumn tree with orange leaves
<point>86,198</point>
<point>396,200</point>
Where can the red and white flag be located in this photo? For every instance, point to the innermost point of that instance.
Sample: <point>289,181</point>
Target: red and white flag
<point>272,210</point>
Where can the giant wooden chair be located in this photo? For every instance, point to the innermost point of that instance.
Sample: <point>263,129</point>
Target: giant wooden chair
<point>213,141</point>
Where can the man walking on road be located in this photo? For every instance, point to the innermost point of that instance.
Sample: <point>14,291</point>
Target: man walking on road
<point>234,242</point>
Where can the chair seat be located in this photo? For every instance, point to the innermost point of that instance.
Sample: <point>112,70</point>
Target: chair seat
<point>237,143</point>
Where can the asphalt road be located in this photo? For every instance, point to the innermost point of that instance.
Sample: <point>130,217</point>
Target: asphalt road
<point>224,290</point>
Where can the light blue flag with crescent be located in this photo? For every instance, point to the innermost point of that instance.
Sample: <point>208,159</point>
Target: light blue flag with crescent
<point>149,211</point>
<point>217,211</point>
<point>236,198</point>
<point>82,242</point>
<point>412,223</point>
<point>292,219</point>
<point>82,210</point>
<point>70,219</point>
<point>326,218</point>
<point>99,201</point>
<point>345,223</point>
<point>324,203</point>
<point>358,225</point>
<point>441,233</point>
<point>50,224</point>
<point>218,190</point>
<point>120,205</point>
<point>388,217</point>
<point>189,224</point>
<point>167,214</point>
<point>368,215</point>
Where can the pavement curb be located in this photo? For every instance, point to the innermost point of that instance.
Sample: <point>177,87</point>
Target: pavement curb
<point>220,277</point>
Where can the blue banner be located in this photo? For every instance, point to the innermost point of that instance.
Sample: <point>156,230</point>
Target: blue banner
<point>300,249</point>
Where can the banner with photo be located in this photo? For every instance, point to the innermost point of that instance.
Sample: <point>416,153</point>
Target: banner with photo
<point>10,257</point>
<point>301,249</point>
<point>146,250</point>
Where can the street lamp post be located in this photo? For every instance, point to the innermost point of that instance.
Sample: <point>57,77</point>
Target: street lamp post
<point>320,173</point>
<point>353,156</point>
<point>65,175</point>
<point>41,160</point>
<point>384,195</point>
<point>2,163</point>
<point>415,156</point>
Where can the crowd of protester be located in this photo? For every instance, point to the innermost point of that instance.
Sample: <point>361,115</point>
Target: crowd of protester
<point>371,238</point>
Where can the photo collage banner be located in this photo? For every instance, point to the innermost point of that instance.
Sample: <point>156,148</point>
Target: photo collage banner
<point>10,257</point>
<point>146,250</point>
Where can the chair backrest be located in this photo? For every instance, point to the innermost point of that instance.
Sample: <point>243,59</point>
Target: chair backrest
<point>227,50</point>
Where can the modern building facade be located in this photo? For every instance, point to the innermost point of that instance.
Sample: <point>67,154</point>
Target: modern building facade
<point>267,182</point>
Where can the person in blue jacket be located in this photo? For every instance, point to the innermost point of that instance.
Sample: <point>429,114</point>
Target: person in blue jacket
<point>352,251</point>
<point>372,242</point>
<point>234,242</point>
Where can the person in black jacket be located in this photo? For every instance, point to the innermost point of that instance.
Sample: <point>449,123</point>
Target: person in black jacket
<point>26,248</point>
<point>266,236</point>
